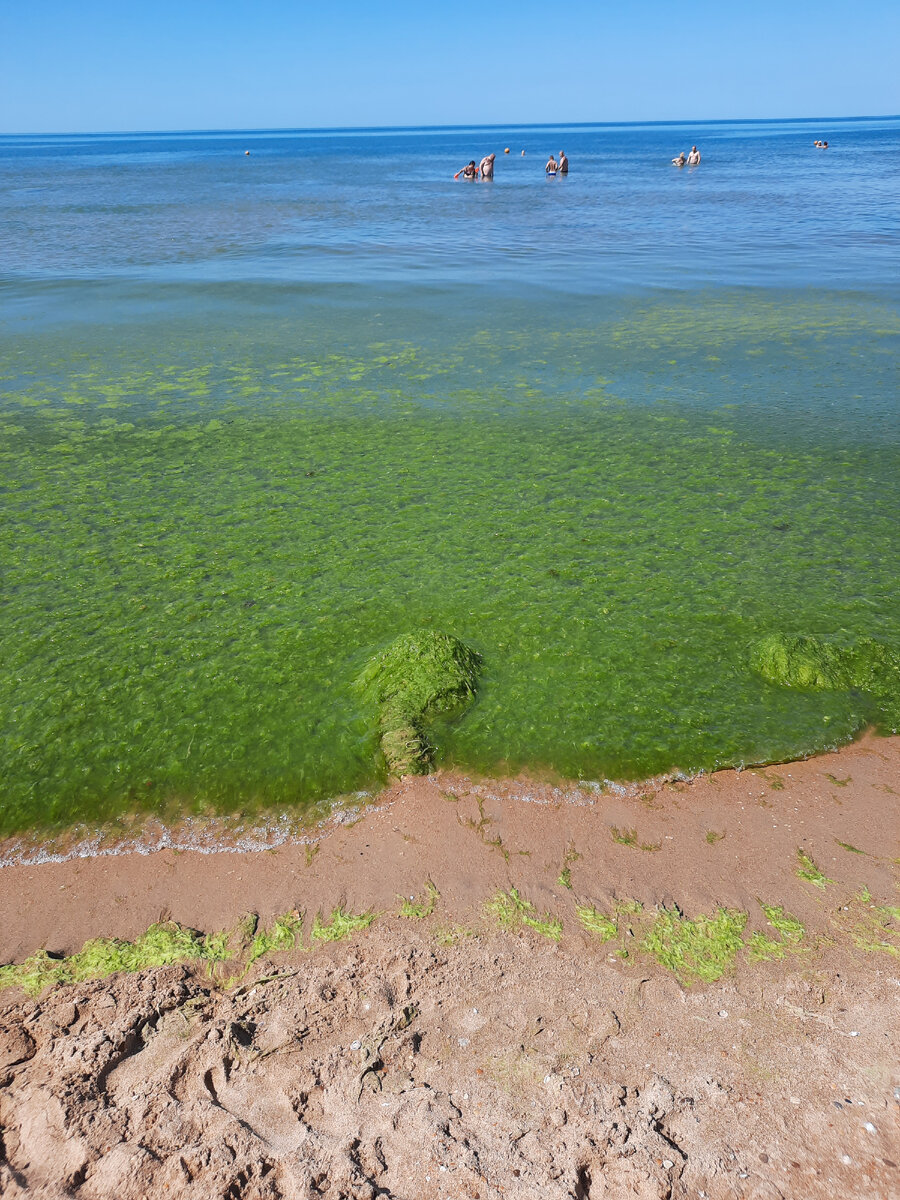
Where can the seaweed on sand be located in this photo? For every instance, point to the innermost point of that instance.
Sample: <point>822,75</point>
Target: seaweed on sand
<point>414,679</point>
<point>162,944</point>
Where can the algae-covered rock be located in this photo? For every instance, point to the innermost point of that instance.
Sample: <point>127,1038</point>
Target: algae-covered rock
<point>801,662</point>
<point>416,678</point>
<point>823,663</point>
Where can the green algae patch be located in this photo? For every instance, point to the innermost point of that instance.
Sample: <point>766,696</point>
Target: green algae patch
<point>511,910</point>
<point>281,935</point>
<point>163,944</point>
<point>808,871</point>
<point>342,925</point>
<point>703,949</point>
<point>597,923</point>
<point>831,664</point>
<point>762,948</point>
<point>418,677</point>
<point>872,927</point>
<point>419,909</point>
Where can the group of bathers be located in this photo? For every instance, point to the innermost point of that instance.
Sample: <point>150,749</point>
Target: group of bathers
<point>485,169</point>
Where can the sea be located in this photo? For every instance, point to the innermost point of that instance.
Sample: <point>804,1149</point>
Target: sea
<point>270,400</point>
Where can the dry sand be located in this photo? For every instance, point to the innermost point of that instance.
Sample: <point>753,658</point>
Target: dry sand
<point>445,1058</point>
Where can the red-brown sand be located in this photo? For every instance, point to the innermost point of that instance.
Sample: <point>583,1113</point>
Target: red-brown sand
<point>415,1061</point>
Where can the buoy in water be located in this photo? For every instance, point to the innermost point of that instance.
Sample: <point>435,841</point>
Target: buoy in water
<point>506,151</point>
<point>246,151</point>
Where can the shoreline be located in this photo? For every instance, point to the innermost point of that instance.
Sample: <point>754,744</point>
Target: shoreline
<point>268,829</point>
<point>694,838</point>
<point>453,1051</point>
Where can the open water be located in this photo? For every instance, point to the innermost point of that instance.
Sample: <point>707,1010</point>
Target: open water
<point>261,414</point>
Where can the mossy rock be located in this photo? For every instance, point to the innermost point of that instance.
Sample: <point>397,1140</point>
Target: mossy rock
<point>802,662</point>
<point>418,677</point>
<point>832,664</point>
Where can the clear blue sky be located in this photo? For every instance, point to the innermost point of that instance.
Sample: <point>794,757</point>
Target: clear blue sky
<point>75,66</point>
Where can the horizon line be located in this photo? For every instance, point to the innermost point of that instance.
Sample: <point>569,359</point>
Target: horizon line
<point>289,129</point>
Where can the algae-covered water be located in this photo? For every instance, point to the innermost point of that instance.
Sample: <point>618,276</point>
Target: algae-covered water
<point>233,472</point>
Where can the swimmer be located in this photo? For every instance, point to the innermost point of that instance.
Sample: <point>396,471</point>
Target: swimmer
<point>563,163</point>
<point>469,171</point>
<point>680,160</point>
<point>523,153</point>
<point>694,157</point>
<point>486,166</point>
<point>551,167</point>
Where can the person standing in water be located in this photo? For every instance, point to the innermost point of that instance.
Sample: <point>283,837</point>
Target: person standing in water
<point>563,163</point>
<point>679,161</point>
<point>551,167</point>
<point>486,166</point>
<point>469,171</point>
<point>694,157</point>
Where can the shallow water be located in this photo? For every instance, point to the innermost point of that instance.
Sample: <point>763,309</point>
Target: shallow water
<point>261,415</point>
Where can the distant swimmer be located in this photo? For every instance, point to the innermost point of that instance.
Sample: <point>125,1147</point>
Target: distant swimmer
<point>694,157</point>
<point>523,153</point>
<point>486,166</point>
<point>552,166</point>
<point>563,163</point>
<point>469,171</point>
<point>824,145</point>
<point>680,160</point>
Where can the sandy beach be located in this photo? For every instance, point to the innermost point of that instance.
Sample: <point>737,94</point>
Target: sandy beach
<point>467,1051</point>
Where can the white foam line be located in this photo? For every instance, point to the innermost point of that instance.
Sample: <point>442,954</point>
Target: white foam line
<point>212,839</point>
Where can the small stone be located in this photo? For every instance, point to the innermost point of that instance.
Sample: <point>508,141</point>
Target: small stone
<point>576,1071</point>
<point>795,1099</point>
<point>668,1164</point>
<point>356,1045</point>
<point>723,1013</point>
<point>846,1159</point>
<point>463,1042</point>
<point>854,1033</point>
<point>870,1127</point>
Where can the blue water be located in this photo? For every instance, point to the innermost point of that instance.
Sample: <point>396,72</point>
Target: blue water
<point>765,208</point>
<point>161,290</point>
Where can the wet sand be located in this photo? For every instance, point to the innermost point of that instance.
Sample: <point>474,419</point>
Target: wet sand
<point>471,837</point>
<point>443,1057</point>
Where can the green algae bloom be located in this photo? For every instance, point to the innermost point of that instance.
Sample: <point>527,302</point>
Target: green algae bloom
<point>209,529</point>
<point>830,664</point>
<point>416,678</point>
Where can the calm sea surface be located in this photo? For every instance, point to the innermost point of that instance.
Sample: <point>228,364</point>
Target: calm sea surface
<point>260,414</point>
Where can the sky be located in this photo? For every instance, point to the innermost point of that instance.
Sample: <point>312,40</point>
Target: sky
<point>117,65</point>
